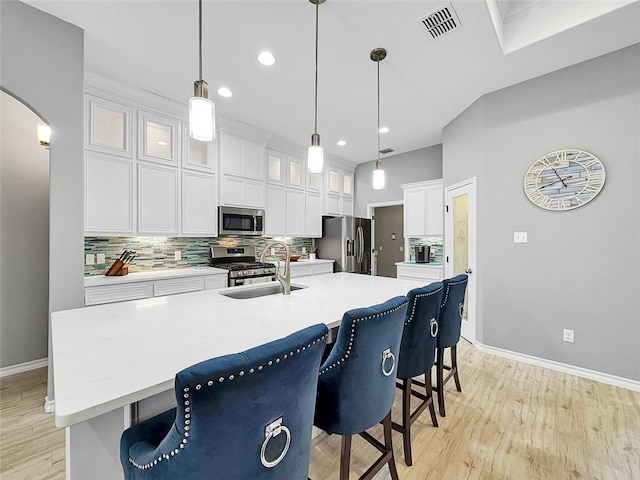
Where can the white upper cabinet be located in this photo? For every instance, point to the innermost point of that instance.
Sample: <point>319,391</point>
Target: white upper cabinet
<point>108,195</point>
<point>158,138</point>
<point>199,205</point>
<point>295,213</point>
<point>158,200</point>
<point>313,215</point>
<point>347,184</point>
<point>241,157</point>
<point>275,222</point>
<point>334,180</point>
<point>109,126</point>
<point>314,182</point>
<point>197,155</point>
<point>296,168</point>
<point>423,208</point>
<point>275,167</point>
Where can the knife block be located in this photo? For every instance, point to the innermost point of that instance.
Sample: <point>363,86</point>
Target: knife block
<point>118,268</point>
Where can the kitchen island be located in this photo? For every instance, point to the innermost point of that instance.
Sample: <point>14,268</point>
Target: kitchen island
<point>115,364</point>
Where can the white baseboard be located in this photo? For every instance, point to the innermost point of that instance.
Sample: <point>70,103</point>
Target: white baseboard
<point>49,405</point>
<point>23,367</point>
<point>562,367</point>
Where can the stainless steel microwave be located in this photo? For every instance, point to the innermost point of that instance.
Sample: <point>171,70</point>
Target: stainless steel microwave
<point>240,221</point>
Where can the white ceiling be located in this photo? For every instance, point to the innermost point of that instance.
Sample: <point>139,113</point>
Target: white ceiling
<point>424,83</point>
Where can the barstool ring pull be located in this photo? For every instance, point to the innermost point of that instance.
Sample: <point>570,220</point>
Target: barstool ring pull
<point>461,309</point>
<point>274,429</point>
<point>433,324</point>
<point>385,355</point>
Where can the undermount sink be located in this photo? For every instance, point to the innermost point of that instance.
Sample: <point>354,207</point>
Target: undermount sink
<point>261,291</point>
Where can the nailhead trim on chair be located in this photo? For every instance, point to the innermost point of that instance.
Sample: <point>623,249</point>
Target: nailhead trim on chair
<point>352,338</point>
<point>415,303</point>
<point>446,294</point>
<point>187,408</point>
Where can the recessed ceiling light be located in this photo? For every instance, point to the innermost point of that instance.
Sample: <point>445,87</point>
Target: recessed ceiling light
<point>266,58</point>
<point>383,129</point>
<point>224,92</point>
<point>342,143</point>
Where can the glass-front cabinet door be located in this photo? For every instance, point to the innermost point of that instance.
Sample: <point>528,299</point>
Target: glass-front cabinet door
<point>109,127</point>
<point>275,167</point>
<point>197,155</point>
<point>295,172</point>
<point>158,138</point>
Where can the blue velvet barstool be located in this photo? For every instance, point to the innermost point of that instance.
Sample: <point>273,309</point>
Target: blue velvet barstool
<point>241,416</point>
<point>451,311</point>
<point>356,385</point>
<point>417,356</point>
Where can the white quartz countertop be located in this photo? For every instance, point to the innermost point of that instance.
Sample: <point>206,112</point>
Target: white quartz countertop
<point>420,265</point>
<point>101,280</point>
<point>109,356</point>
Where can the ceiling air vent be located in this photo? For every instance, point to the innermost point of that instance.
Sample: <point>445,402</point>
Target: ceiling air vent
<point>441,22</point>
<point>384,151</point>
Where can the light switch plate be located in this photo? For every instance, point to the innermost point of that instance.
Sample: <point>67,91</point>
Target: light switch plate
<point>567,335</point>
<point>177,255</point>
<point>519,237</point>
<point>100,259</point>
<point>89,259</point>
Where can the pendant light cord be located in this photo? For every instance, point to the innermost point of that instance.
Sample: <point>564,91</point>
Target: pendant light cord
<point>200,37</point>
<point>315,107</point>
<point>378,65</point>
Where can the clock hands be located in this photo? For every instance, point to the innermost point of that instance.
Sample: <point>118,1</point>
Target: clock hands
<point>557,181</point>
<point>554,171</point>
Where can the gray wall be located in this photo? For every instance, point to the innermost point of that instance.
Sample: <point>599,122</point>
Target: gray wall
<point>24,236</point>
<point>581,268</point>
<point>415,166</point>
<point>42,65</point>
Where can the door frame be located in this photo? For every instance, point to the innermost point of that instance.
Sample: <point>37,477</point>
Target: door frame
<point>374,254</point>
<point>470,186</point>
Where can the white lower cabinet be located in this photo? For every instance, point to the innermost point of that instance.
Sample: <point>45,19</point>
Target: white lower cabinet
<point>148,287</point>
<point>422,272</point>
<point>199,205</point>
<point>306,268</point>
<point>158,200</point>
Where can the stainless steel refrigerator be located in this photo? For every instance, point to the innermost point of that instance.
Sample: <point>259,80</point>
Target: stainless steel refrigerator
<point>347,240</point>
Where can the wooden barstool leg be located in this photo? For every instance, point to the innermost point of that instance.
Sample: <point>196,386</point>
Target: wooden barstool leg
<point>345,457</point>
<point>386,424</point>
<point>429,390</point>
<point>406,420</point>
<point>454,366</point>
<point>440,380</point>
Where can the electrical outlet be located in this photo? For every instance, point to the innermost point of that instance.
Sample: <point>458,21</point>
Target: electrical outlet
<point>101,259</point>
<point>89,259</point>
<point>177,255</point>
<point>519,237</point>
<point>273,251</point>
<point>567,335</point>
<point>304,250</point>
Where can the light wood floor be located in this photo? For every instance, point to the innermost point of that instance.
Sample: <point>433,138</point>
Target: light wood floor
<point>512,421</point>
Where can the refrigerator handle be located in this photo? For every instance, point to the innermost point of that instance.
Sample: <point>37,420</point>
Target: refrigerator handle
<point>359,241</point>
<point>361,244</point>
<point>349,248</point>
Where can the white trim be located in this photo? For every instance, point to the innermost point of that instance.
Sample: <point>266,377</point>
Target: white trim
<point>23,367</point>
<point>607,378</point>
<point>49,405</point>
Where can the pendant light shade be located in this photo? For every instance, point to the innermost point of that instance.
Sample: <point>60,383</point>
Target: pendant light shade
<point>315,153</point>
<point>202,111</point>
<point>377,176</point>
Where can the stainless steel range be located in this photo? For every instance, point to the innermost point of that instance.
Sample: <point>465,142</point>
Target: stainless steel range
<point>242,265</point>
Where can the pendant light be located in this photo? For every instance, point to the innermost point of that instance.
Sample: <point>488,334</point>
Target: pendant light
<point>315,155</point>
<point>202,111</point>
<point>377,176</point>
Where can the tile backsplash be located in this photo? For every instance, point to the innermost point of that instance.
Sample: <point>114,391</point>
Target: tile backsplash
<point>436,243</point>
<point>158,253</point>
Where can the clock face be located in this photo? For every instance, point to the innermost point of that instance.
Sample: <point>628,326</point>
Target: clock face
<point>564,180</point>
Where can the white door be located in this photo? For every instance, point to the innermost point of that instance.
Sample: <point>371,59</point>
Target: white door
<point>460,245</point>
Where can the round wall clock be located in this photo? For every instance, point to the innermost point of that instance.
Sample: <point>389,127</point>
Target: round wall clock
<point>564,180</point>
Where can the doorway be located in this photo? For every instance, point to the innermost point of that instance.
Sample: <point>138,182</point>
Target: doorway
<point>460,245</point>
<point>388,238</point>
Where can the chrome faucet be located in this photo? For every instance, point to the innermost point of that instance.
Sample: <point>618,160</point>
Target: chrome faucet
<point>283,278</point>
